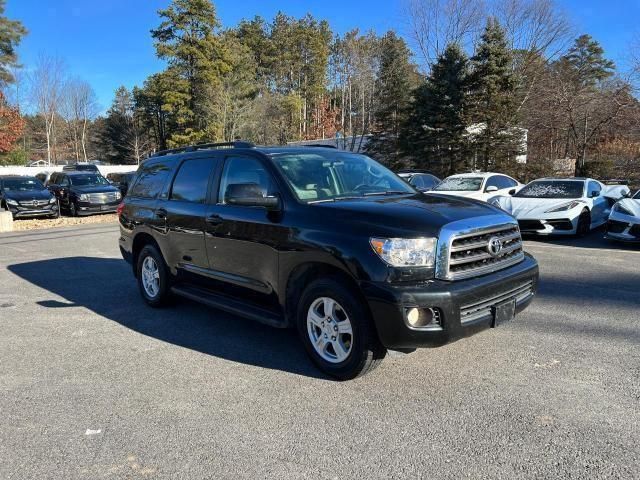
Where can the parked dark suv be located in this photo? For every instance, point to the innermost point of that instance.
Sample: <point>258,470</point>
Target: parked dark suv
<point>327,241</point>
<point>84,193</point>
<point>26,197</point>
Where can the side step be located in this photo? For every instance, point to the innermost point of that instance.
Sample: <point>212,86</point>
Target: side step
<point>230,305</point>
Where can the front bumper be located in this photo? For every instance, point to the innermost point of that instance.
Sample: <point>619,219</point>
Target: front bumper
<point>454,300</point>
<point>550,226</point>
<point>86,208</point>
<point>621,228</point>
<point>21,211</point>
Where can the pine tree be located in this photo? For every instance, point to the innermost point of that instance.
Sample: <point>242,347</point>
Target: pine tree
<point>497,139</point>
<point>434,134</point>
<point>11,32</point>
<point>187,39</point>
<point>396,79</point>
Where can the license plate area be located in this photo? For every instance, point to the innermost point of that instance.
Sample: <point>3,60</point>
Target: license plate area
<point>105,207</point>
<point>504,312</point>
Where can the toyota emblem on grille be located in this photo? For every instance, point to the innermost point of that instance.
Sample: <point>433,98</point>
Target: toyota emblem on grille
<point>495,246</point>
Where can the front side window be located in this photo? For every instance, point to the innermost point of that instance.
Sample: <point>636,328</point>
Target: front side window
<point>552,189</point>
<point>244,174</point>
<point>460,184</point>
<point>192,181</point>
<point>151,181</point>
<point>594,187</point>
<point>337,175</point>
<point>88,180</point>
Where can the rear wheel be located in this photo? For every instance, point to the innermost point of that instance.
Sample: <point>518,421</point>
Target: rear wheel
<point>584,223</point>
<point>336,330</point>
<point>153,276</point>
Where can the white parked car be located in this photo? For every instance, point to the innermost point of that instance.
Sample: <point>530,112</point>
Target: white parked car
<point>624,220</point>
<point>481,186</point>
<point>571,206</point>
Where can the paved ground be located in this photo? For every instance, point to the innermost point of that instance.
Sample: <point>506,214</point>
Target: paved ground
<point>93,384</point>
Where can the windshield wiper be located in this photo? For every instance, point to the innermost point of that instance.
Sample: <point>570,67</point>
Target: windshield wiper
<point>386,192</point>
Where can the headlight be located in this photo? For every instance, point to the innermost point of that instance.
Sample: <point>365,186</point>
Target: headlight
<point>406,252</point>
<point>52,200</point>
<point>118,195</point>
<point>565,207</point>
<point>11,202</point>
<point>84,197</point>
<point>622,209</point>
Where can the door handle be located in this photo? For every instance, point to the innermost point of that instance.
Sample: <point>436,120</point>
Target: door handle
<point>161,213</point>
<point>214,219</point>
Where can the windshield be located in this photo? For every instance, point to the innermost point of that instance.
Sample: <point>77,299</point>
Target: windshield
<point>88,180</point>
<point>22,184</point>
<point>459,184</point>
<point>332,176</point>
<point>552,189</point>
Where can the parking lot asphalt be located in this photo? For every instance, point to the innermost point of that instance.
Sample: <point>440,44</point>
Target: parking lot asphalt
<point>94,384</point>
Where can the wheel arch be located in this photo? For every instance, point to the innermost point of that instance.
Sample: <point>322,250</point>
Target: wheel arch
<point>141,240</point>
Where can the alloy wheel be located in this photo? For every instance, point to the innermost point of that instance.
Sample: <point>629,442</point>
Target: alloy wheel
<point>329,330</point>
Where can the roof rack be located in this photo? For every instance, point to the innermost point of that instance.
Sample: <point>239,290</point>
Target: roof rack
<point>203,146</point>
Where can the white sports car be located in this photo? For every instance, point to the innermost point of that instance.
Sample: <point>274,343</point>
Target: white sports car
<point>481,186</point>
<point>624,220</point>
<point>571,206</point>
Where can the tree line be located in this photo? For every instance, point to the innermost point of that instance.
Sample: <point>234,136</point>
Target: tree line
<point>470,85</point>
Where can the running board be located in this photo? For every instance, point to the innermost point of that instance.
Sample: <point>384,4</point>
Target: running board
<point>229,305</point>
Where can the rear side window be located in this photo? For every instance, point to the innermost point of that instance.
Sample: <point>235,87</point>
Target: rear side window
<point>192,180</point>
<point>151,181</point>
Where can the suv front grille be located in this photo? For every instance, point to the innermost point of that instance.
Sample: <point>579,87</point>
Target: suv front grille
<point>484,252</point>
<point>484,308</point>
<point>34,203</point>
<point>106,197</point>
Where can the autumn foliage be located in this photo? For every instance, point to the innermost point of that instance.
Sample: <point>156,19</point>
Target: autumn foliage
<point>11,125</point>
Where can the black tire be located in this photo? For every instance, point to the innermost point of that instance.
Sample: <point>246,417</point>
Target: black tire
<point>584,224</point>
<point>57,214</point>
<point>366,351</point>
<point>162,297</point>
<point>73,209</point>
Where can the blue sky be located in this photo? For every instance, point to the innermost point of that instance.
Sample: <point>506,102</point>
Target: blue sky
<point>107,42</point>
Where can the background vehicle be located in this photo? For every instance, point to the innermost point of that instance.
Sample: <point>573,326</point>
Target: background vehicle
<point>481,186</point>
<point>81,167</point>
<point>27,197</point>
<point>624,220</point>
<point>327,241</point>
<point>84,193</point>
<point>420,179</point>
<point>571,206</point>
<point>44,177</point>
<point>121,180</point>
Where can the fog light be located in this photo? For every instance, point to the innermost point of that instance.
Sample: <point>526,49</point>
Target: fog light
<point>428,318</point>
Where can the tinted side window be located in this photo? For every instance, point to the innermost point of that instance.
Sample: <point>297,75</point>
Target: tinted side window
<point>64,181</point>
<point>247,171</point>
<point>594,187</point>
<point>493,182</point>
<point>151,180</point>
<point>417,181</point>
<point>192,180</point>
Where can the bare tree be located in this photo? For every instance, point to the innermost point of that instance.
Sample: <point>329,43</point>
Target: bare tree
<point>433,24</point>
<point>78,107</point>
<point>47,81</point>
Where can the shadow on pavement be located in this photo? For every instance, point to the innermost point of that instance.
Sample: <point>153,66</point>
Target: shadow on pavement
<point>107,287</point>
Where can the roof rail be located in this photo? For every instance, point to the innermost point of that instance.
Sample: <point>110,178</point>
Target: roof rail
<point>319,146</point>
<point>203,146</point>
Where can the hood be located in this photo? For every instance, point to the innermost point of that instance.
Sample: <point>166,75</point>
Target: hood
<point>615,191</point>
<point>632,205</point>
<point>95,189</point>
<point>26,196</point>
<point>531,208</point>
<point>423,214</point>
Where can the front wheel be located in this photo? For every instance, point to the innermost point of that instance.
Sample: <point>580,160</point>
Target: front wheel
<point>73,209</point>
<point>584,224</point>
<point>336,330</point>
<point>153,277</point>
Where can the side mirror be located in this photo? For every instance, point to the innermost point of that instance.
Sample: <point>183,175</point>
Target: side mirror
<point>491,189</point>
<point>250,195</point>
<point>512,191</point>
<point>595,194</point>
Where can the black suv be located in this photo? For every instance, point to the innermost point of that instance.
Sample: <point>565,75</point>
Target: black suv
<point>27,197</point>
<point>84,193</point>
<point>327,241</point>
